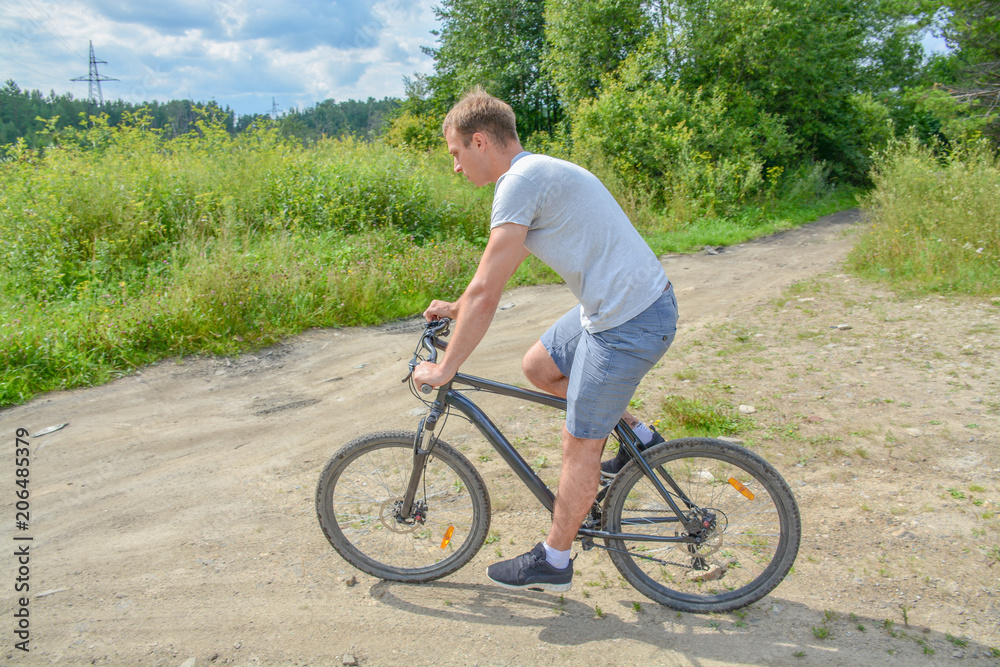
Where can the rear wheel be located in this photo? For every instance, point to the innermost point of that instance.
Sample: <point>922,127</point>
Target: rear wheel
<point>358,501</point>
<point>747,548</point>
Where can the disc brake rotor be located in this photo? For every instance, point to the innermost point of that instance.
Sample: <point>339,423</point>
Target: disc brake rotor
<point>388,513</point>
<point>713,539</point>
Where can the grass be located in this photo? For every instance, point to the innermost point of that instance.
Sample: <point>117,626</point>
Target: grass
<point>934,220</point>
<point>750,223</point>
<point>683,417</point>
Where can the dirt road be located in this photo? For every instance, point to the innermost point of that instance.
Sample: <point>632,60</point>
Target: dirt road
<point>172,518</point>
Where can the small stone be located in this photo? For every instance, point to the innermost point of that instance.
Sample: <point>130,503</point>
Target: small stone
<point>349,660</point>
<point>190,662</point>
<point>732,441</point>
<point>351,581</point>
<point>842,327</point>
<point>238,645</point>
<point>711,574</point>
<point>507,306</point>
<point>747,409</point>
<point>777,608</point>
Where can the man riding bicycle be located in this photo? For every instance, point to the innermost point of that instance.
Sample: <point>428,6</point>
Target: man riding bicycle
<point>596,354</point>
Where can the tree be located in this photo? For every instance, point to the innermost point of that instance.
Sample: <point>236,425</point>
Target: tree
<point>803,64</point>
<point>589,40</point>
<point>972,27</point>
<point>497,44</point>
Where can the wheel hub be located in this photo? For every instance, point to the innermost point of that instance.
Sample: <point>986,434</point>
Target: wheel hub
<point>712,526</point>
<point>391,515</point>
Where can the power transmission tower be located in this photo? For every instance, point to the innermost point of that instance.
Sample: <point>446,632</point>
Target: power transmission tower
<point>95,77</point>
<point>274,109</point>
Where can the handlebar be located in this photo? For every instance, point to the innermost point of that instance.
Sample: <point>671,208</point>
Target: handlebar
<point>429,340</point>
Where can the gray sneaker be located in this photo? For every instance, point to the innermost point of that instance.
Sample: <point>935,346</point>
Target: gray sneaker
<point>532,571</point>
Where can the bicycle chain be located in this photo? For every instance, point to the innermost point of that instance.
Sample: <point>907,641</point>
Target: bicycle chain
<point>685,566</point>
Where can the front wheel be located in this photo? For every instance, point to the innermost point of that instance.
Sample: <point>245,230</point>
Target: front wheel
<point>748,527</point>
<point>360,493</point>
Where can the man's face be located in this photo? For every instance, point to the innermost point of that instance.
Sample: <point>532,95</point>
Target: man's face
<point>470,160</point>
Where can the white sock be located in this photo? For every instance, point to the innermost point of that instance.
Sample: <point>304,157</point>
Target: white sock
<point>644,434</point>
<point>555,558</point>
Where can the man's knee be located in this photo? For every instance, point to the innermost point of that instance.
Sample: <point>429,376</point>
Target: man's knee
<point>538,366</point>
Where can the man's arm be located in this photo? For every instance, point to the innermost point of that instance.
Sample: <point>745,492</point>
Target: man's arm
<point>474,310</point>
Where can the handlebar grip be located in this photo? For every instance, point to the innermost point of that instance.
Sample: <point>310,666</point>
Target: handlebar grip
<point>426,389</point>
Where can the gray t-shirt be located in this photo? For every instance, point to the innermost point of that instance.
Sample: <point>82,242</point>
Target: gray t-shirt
<point>577,228</point>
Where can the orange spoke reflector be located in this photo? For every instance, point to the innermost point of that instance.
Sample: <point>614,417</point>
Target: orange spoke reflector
<point>447,536</point>
<point>742,489</point>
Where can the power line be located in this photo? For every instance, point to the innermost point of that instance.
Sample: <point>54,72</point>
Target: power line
<point>45,19</point>
<point>95,77</point>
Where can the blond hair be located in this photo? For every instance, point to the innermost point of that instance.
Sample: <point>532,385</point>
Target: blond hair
<point>479,111</point>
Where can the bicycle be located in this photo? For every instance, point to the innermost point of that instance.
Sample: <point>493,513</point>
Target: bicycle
<point>695,524</point>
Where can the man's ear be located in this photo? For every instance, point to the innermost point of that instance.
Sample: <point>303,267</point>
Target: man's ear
<point>479,140</point>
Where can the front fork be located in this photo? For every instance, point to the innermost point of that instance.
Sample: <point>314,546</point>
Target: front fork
<point>423,444</point>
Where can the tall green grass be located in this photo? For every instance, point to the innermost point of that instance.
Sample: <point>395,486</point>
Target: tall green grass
<point>935,219</point>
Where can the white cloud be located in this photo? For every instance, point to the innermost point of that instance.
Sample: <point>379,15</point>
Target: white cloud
<point>240,53</point>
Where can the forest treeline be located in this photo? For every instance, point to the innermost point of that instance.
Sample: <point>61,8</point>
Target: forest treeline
<point>28,114</point>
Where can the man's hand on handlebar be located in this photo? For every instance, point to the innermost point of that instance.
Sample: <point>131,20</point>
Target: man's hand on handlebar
<point>441,309</point>
<point>431,374</point>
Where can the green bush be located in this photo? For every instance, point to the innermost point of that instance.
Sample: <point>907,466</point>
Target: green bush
<point>689,152</point>
<point>107,203</point>
<point>935,219</point>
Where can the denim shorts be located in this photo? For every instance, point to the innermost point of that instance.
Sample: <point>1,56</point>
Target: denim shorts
<point>605,368</point>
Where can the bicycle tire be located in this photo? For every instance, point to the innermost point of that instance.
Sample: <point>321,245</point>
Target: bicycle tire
<point>354,503</point>
<point>753,544</point>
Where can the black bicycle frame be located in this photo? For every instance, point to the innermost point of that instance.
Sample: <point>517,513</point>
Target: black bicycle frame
<point>447,395</point>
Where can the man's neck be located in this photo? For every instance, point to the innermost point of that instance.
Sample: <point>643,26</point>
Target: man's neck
<point>504,157</point>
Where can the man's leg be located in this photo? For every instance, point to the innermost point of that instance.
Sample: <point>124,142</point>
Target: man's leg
<point>578,483</point>
<point>604,375</point>
<point>581,461</point>
<point>542,372</point>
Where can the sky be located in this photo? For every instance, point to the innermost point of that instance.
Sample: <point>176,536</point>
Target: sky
<point>245,54</point>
